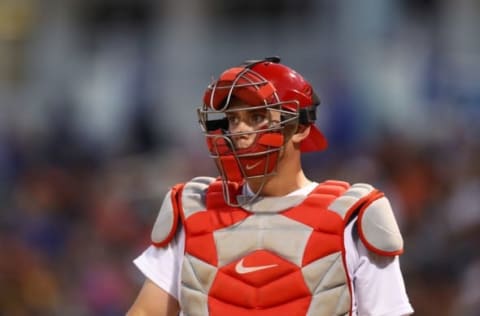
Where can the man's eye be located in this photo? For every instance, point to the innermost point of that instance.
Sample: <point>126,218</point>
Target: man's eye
<point>258,119</point>
<point>232,120</point>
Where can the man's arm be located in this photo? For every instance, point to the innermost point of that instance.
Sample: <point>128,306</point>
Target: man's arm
<point>152,300</point>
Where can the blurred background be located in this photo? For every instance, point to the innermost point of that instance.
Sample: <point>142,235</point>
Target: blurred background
<point>97,121</point>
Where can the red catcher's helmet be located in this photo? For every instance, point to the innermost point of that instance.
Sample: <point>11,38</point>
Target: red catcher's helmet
<point>263,81</point>
<point>260,84</point>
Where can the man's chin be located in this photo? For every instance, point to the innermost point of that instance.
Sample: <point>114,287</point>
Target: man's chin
<point>242,145</point>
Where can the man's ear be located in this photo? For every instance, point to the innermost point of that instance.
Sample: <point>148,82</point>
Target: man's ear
<point>301,134</point>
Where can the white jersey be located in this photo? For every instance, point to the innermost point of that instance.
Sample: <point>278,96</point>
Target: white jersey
<point>377,282</point>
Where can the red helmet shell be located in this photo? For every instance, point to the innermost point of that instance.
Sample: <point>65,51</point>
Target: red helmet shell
<point>289,84</point>
<point>266,82</point>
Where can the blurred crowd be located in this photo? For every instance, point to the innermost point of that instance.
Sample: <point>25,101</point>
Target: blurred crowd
<point>97,121</point>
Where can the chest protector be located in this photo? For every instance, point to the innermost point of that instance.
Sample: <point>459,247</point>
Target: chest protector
<point>267,262</point>
<point>290,262</point>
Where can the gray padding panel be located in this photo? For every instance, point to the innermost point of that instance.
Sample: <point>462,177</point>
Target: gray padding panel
<point>379,227</point>
<point>164,222</point>
<point>193,195</point>
<point>343,203</point>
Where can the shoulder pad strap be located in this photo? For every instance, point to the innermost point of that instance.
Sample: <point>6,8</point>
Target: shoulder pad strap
<point>167,220</point>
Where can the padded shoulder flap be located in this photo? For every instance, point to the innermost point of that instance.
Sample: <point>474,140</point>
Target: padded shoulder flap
<point>378,228</point>
<point>172,209</point>
<point>376,222</point>
<point>167,219</point>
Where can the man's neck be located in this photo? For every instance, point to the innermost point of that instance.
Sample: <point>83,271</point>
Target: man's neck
<point>278,185</point>
<point>288,178</point>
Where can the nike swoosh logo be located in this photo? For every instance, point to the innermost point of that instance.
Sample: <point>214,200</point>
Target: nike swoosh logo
<point>241,269</point>
<point>250,167</point>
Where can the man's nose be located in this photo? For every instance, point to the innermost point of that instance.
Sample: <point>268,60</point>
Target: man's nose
<point>242,126</point>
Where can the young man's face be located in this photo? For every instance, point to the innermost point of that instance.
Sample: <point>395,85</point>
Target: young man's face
<point>243,122</point>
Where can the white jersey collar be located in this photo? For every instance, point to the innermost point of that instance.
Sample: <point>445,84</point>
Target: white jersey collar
<point>274,204</point>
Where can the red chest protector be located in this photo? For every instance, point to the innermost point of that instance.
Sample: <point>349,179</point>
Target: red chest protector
<point>265,262</point>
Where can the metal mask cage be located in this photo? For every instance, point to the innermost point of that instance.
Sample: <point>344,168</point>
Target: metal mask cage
<point>214,125</point>
<point>212,116</point>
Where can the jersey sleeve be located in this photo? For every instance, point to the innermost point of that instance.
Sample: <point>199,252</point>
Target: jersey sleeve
<point>162,264</point>
<point>377,280</point>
